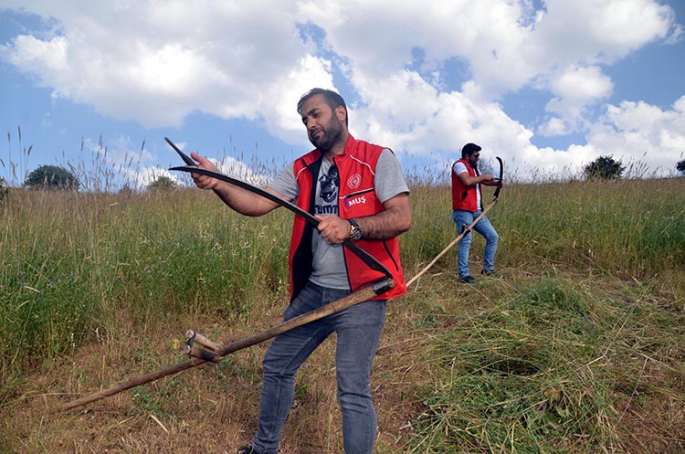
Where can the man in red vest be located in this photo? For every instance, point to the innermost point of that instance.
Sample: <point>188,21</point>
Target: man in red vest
<point>357,191</point>
<point>467,205</point>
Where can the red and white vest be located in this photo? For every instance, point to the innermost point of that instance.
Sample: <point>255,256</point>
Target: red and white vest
<point>357,198</point>
<point>465,197</point>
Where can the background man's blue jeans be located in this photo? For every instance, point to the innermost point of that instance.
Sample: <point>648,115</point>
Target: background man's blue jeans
<point>485,228</point>
<point>358,330</point>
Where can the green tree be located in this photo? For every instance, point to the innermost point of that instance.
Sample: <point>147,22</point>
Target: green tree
<point>162,183</point>
<point>681,166</point>
<point>52,178</point>
<point>126,190</point>
<point>4,190</point>
<point>605,168</point>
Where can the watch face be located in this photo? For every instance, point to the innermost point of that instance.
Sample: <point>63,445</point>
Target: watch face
<point>355,231</point>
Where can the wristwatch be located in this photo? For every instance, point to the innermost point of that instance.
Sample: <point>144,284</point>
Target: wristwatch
<point>355,230</point>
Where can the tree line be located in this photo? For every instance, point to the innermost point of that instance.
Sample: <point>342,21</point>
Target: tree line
<point>56,178</point>
<point>50,177</point>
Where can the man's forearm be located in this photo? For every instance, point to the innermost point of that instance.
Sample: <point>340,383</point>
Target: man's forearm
<point>243,201</point>
<point>385,225</point>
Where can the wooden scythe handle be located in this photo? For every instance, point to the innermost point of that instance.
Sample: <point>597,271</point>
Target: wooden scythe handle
<point>465,229</point>
<point>361,295</point>
<point>454,241</point>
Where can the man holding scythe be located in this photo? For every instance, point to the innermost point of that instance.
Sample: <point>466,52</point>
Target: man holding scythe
<point>467,206</point>
<point>357,192</point>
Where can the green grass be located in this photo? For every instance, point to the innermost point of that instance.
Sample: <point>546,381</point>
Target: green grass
<point>72,262</point>
<point>568,355</point>
<point>629,229</point>
<point>523,373</point>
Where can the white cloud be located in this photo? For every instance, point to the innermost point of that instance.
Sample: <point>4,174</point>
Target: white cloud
<point>574,89</point>
<point>39,55</point>
<point>218,57</point>
<point>156,62</point>
<point>241,171</point>
<point>634,133</point>
<point>640,131</point>
<point>582,84</point>
<point>600,31</point>
<point>281,96</point>
<point>554,127</point>
<point>378,37</point>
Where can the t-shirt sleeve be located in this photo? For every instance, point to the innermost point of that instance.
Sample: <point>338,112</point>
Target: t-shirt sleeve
<point>459,167</point>
<point>285,182</point>
<point>389,180</point>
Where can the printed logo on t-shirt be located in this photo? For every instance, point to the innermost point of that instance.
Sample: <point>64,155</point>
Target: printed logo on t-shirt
<point>326,209</point>
<point>328,185</point>
<point>327,201</point>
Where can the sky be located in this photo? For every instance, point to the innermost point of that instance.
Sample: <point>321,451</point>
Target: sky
<point>547,85</point>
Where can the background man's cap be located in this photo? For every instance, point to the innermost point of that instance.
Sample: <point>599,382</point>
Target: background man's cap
<point>470,148</point>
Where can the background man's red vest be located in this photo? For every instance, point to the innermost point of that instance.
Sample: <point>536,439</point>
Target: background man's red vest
<point>465,197</point>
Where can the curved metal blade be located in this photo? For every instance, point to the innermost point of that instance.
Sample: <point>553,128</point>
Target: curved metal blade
<point>367,258</point>
<point>183,156</point>
<point>501,176</point>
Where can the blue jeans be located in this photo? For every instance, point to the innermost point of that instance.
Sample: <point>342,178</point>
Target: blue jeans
<point>358,330</point>
<point>485,228</point>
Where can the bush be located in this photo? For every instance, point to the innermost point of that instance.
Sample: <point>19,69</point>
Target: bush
<point>681,166</point>
<point>162,183</point>
<point>52,178</point>
<point>605,168</point>
<point>4,190</point>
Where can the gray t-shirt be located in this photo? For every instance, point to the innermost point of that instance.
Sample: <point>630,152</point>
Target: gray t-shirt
<point>328,258</point>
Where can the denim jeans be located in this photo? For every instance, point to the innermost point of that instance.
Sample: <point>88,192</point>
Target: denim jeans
<point>485,228</point>
<point>358,330</point>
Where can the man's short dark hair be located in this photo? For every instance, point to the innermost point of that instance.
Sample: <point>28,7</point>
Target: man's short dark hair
<point>469,149</point>
<point>333,99</point>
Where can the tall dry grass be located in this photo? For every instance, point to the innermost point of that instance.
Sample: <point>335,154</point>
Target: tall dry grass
<point>572,353</point>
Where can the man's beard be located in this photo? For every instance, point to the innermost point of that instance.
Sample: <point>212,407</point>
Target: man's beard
<point>331,135</point>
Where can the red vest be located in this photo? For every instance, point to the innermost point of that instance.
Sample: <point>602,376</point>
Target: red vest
<point>464,197</point>
<point>357,198</point>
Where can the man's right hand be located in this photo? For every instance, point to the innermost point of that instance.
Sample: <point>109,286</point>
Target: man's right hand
<point>240,199</point>
<point>203,181</point>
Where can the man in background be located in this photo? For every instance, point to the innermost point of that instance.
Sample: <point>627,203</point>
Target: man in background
<point>467,205</point>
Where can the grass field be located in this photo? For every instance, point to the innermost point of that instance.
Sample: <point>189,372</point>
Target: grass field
<point>579,350</point>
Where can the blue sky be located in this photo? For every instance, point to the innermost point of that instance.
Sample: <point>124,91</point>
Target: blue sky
<point>547,85</point>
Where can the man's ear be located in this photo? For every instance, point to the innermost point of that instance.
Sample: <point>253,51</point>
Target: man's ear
<point>341,113</point>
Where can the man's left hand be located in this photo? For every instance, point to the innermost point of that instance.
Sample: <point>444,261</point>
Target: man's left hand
<point>333,229</point>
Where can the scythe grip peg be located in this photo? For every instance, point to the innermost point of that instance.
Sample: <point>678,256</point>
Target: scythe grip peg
<point>191,338</point>
<point>383,285</point>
